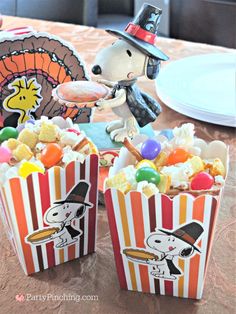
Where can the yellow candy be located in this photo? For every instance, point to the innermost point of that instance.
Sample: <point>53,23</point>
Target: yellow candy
<point>197,164</point>
<point>28,137</point>
<point>160,160</point>
<point>217,168</point>
<point>150,189</point>
<point>145,163</point>
<point>27,168</point>
<point>48,133</point>
<point>119,182</point>
<point>12,143</point>
<point>22,151</point>
<point>164,184</point>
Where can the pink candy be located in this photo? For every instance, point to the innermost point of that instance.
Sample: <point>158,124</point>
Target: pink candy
<point>5,154</point>
<point>202,181</point>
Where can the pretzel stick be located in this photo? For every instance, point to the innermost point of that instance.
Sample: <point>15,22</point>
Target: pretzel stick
<point>81,144</point>
<point>132,149</point>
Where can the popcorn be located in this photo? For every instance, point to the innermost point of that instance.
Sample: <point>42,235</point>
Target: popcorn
<point>12,143</point>
<point>28,137</point>
<point>183,136</point>
<point>48,132</point>
<point>148,189</point>
<point>217,168</point>
<point>123,180</point>
<point>70,138</point>
<point>219,180</point>
<point>22,152</point>
<point>70,155</point>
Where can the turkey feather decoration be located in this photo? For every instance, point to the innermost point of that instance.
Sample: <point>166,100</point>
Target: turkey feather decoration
<point>31,66</point>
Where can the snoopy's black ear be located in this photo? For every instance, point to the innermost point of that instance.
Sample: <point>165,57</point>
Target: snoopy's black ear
<point>152,67</point>
<point>186,252</point>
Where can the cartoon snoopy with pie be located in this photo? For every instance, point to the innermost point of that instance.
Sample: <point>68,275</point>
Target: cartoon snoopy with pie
<point>164,246</point>
<point>61,216</point>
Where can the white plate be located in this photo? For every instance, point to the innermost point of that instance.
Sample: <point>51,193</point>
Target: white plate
<point>201,87</point>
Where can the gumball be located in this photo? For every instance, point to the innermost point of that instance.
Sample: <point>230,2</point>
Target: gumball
<point>51,155</point>
<point>147,174</point>
<point>27,168</point>
<point>177,155</point>
<point>5,154</point>
<point>150,149</point>
<point>202,181</point>
<point>73,131</point>
<point>168,133</point>
<point>145,163</point>
<point>8,132</point>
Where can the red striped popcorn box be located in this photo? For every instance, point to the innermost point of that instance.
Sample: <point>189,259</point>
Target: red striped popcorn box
<point>162,244</point>
<point>51,218</point>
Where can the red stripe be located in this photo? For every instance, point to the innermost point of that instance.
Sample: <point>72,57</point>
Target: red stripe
<point>152,219</point>
<point>81,222</point>
<point>140,33</point>
<point>167,223</point>
<point>115,239</point>
<point>93,199</point>
<point>45,204</point>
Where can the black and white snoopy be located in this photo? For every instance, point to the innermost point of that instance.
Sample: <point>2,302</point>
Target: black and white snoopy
<point>134,54</point>
<point>66,211</point>
<point>169,245</point>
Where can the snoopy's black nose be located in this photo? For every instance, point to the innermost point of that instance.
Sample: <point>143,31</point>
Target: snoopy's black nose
<point>96,69</point>
<point>157,241</point>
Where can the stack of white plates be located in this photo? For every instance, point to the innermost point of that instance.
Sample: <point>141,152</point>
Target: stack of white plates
<point>201,87</point>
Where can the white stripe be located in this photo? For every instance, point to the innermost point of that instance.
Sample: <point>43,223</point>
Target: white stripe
<point>87,179</point>
<point>206,225</point>
<point>175,215</point>
<point>158,205</point>
<point>189,213</point>
<point>121,236</point>
<point>39,215</point>
<point>63,196</point>
<point>147,231</point>
<point>15,226</point>
<point>77,221</point>
<point>133,240</point>
<point>52,187</point>
<point>29,221</point>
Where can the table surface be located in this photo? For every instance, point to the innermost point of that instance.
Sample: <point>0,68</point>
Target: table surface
<point>95,274</point>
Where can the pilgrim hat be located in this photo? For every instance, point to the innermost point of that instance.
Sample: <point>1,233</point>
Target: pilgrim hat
<point>77,195</point>
<point>142,32</point>
<point>188,233</point>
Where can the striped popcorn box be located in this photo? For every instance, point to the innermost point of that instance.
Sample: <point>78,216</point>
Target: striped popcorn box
<point>51,218</point>
<point>162,244</point>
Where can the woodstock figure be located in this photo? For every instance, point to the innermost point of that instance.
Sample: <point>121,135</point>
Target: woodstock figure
<point>25,99</point>
<point>132,55</point>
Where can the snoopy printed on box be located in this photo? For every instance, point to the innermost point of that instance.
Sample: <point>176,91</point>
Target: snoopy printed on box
<point>61,217</point>
<point>166,246</point>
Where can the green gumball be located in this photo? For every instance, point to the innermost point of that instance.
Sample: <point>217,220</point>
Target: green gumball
<point>8,132</point>
<point>147,174</point>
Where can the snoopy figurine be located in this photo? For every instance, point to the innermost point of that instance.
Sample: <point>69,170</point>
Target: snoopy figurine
<point>134,54</point>
<point>64,212</point>
<point>169,245</point>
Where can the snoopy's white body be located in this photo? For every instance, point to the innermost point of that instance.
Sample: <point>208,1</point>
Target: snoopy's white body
<point>121,61</point>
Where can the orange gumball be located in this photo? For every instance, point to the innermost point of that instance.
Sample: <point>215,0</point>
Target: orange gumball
<point>177,155</point>
<point>51,155</point>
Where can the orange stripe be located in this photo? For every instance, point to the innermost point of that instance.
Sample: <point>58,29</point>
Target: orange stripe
<point>21,222</point>
<point>182,220</point>
<point>70,181</point>
<point>198,214</point>
<point>136,204</point>
<point>124,220</point>
<point>57,183</point>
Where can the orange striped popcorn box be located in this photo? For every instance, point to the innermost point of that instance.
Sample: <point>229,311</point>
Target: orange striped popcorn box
<point>51,218</point>
<point>162,244</point>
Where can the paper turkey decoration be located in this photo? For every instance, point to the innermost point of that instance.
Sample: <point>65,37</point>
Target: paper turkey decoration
<point>31,65</point>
